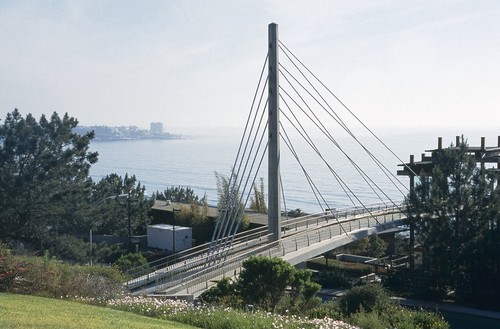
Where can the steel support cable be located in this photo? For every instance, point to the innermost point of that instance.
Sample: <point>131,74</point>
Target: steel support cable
<point>240,218</point>
<point>329,135</point>
<point>303,133</point>
<point>347,108</point>
<point>231,203</point>
<point>232,213</point>
<point>362,173</point>
<point>245,167</point>
<point>283,197</point>
<point>242,140</point>
<point>233,210</point>
<point>253,182</point>
<point>294,152</point>
<point>337,177</point>
<point>313,186</point>
<point>233,229</point>
<point>229,197</point>
<point>324,130</point>
<point>337,118</point>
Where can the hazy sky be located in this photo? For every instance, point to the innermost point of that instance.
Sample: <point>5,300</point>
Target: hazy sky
<point>197,63</point>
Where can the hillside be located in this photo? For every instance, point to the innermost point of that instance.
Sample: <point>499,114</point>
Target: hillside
<point>21,311</point>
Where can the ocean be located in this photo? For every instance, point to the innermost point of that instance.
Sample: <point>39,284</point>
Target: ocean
<point>193,161</point>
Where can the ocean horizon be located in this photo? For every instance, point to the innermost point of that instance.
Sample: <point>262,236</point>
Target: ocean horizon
<point>194,160</point>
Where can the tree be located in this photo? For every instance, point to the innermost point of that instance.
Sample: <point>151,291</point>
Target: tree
<point>258,201</point>
<point>456,215</point>
<point>180,194</point>
<point>44,176</point>
<point>368,297</point>
<point>112,199</point>
<point>229,200</point>
<point>263,281</point>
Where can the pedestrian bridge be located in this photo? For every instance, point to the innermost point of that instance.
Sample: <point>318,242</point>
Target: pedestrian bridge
<point>193,271</point>
<point>306,102</point>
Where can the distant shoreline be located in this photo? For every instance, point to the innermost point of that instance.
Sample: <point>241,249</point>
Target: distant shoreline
<point>171,137</point>
<point>125,133</point>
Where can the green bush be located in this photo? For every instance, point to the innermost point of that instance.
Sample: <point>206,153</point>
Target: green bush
<point>45,276</point>
<point>368,320</point>
<point>330,309</point>
<point>7,268</point>
<point>350,269</point>
<point>223,294</point>
<point>128,261</point>
<point>108,254</point>
<point>334,278</point>
<point>69,247</point>
<point>369,297</point>
<point>429,320</point>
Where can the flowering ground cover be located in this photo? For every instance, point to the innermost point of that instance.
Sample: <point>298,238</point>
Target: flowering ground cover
<point>217,317</point>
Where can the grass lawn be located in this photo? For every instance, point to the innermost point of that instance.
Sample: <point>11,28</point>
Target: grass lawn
<point>20,311</point>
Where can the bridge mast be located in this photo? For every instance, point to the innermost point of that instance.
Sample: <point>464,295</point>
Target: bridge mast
<point>273,130</point>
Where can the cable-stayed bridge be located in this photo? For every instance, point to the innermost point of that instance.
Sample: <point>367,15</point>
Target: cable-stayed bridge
<point>289,101</point>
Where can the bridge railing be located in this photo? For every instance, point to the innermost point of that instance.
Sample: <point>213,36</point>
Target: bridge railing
<point>294,224</point>
<point>311,234</point>
<point>203,276</point>
<point>151,271</point>
<point>194,263</point>
<point>205,266</point>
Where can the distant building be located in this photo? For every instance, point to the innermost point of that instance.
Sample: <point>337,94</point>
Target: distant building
<point>156,128</point>
<point>170,237</point>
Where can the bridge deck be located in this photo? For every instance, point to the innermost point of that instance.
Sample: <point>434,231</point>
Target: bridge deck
<point>302,239</point>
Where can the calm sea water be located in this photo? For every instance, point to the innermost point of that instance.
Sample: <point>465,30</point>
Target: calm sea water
<point>192,162</point>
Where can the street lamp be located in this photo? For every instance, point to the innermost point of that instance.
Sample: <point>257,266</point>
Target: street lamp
<point>92,207</point>
<point>127,195</point>
<point>173,228</point>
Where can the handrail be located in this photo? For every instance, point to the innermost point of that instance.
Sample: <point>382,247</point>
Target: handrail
<point>185,254</point>
<point>310,229</point>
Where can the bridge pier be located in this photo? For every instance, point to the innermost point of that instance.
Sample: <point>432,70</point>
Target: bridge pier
<point>274,206</point>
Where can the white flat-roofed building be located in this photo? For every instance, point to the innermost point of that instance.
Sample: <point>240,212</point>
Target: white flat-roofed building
<point>169,237</point>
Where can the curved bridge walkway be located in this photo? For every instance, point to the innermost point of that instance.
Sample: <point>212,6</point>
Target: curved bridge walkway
<point>193,271</point>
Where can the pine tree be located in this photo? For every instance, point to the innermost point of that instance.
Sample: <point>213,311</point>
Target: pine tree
<point>44,176</point>
<point>456,213</point>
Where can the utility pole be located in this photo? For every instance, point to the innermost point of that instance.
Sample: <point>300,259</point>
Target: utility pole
<point>274,213</point>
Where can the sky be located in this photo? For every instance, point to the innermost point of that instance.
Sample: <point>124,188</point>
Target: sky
<point>195,64</point>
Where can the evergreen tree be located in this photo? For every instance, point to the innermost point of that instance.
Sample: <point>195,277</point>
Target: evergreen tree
<point>456,215</point>
<point>44,177</point>
<point>180,194</point>
<point>112,199</point>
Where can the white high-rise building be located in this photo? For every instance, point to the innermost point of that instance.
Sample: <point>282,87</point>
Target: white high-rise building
<point>156,128</point>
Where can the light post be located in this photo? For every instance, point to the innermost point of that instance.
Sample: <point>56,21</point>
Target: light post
<point>92,207</point>
<point>127,195</point>
<point>173,228</point>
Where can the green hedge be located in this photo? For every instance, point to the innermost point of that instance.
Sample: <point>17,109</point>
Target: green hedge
<point>350,269</point>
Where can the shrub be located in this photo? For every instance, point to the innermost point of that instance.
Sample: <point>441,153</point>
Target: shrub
<point>7,267</point>
<point>330,309</point>
<point>223,294</point>
<point>263,281</point>
<point>350,269</point>
<point>369,297</point>
<point>69,247</point>
<point>44,276</point>
<point>367,320</point>
<point>334,278</point>
<point>108,254</point>
<point>128,261</point>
